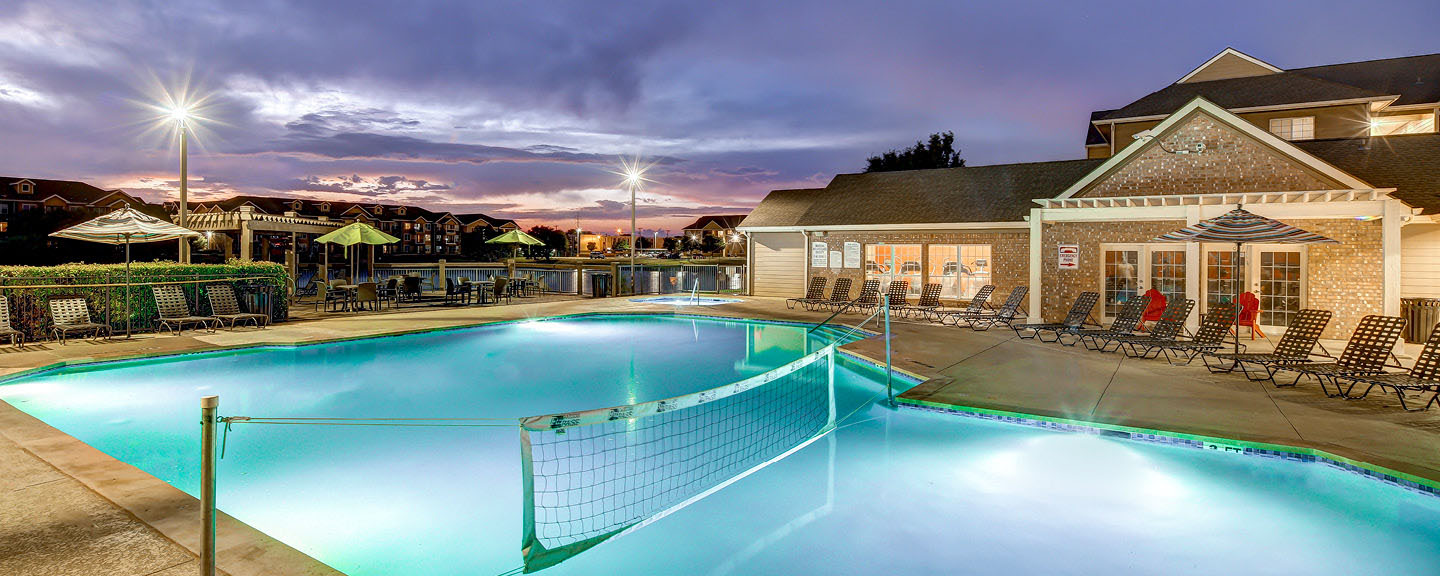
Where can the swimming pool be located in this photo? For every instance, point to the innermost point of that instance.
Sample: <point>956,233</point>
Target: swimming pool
<point>887,492</point>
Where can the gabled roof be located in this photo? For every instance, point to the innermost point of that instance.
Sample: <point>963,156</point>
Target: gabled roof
<point>1093,136</point>
<point>970,194</point>
<point>1406,163</point>
<point>69,190</point>
<point>469,219</point>
<point>1202,106</point>
<point>724,222</point>
<point>1229,63</point>
<point>1286,88</point>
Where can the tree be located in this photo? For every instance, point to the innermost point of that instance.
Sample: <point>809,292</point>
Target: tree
<point>554,239</point>
<point>621,245</point>
<point>940,152</point>
<point>710,244</point>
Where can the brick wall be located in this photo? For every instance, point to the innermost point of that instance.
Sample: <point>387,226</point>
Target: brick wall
<point>1009,254</point>
<point>1062,286</point>
<point>1232,162</point>
<point>1346,278</point>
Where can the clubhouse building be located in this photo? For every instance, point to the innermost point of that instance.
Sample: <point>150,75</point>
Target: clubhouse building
<point>1349,151</point>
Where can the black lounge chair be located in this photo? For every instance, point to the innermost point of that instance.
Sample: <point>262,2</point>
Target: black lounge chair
<point>1002,316</point>
<point>979,304</point>
<point>16,336</point>
<point>1214,327</point>
<point>1370,346</point>
<point>929,301</point>
<point>1164,332</point>
<point>225,307</point>
<point>869,298</point>
<point>174,310</point>
<point>1125,323</point>
<point>1077,319</point>
<point>1299,341</point>
<point>839,295</point>
<point>814,293</point>
<point>897,295</point>
<point>1423,376</point>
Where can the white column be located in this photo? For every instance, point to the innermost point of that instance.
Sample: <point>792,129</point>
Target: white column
<point>1194,269</point>
<point>1037,218</point>
<point>1391,222</point>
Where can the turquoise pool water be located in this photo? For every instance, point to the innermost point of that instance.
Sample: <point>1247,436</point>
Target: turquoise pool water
<point>889,492</point>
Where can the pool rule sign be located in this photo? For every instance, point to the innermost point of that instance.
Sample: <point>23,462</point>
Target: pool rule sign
<point>1069,257</point>
<point>819,255</point>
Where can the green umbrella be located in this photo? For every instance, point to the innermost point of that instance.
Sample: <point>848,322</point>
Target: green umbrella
<point>357,233</point>
<point>515,237</point>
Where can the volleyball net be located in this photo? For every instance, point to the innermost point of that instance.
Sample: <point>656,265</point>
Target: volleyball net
<point>593,475</point>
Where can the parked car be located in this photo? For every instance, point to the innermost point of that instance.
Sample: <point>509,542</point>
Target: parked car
<point>910,267</point>
<point>597,255</point>
<point>873,267</point>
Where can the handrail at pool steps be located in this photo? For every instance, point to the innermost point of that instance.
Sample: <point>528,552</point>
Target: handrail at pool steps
<point>883,308</point>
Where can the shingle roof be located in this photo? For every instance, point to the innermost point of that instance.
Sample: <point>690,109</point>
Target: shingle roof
<point>71,191</point>
<point>1268,90</point>
<point>1406,163</point>
<point>726,221</point>
<point>995,193</point>
<point>782,208</point>
<point>1416,79</point>
<point>493,222</point>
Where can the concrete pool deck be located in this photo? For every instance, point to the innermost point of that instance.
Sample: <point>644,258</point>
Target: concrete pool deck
<point>66,508</point>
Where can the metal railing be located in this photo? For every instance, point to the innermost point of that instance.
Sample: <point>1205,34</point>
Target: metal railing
<point>112,301</point>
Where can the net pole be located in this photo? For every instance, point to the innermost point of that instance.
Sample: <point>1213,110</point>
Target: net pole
<point>830,381</point>
<point>889,368</point>
<point>208,405</point>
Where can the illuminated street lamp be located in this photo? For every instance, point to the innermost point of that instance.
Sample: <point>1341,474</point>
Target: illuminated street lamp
<point>180,114</point>
<point>633,173</point>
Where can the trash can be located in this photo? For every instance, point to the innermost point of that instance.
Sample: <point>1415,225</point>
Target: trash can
<point>1421,316</point>
<point>599,285</point>
<point>255,297</point>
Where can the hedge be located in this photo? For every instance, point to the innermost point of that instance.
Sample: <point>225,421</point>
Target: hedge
<point>29,307</point>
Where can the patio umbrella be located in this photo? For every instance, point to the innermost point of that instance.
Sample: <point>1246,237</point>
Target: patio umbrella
<point>1241,226</point>
<point>125,226</point>
<point>516,238</point>
<point>357,233</point>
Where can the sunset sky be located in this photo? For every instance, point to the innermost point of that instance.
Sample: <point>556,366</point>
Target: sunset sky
<point>522,109</point>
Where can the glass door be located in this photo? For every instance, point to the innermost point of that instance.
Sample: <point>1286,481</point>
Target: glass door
<point>1278,277</point>
<point>1120,276</point>
<point>1222,275</point>
<point>1132,269</point>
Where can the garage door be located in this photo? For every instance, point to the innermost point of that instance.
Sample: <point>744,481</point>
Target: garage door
<point>779,264</point>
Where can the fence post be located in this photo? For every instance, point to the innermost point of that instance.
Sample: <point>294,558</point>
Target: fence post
<point>208,406</point>
<point>440,280</point>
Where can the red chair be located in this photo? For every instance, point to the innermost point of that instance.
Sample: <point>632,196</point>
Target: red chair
<point>1154,310</point>
<point>1249,310</point>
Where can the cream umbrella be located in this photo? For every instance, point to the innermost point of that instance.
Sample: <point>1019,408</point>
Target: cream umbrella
<point>125,226</point>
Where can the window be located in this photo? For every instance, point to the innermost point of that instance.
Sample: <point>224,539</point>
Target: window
<point>890,262</point>
<point>4,207</point>
<point>960,270</point>
<point>1298,128</point>
<point>1402,124</point>
<point>26,187</point>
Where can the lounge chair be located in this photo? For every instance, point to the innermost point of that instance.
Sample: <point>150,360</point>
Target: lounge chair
<point>1370,346</point>
<point>1423,376</point>
<point>1126,322</point>
<point>225,307</point>
<point>1164,332</point>
<point>174,310</point>
<point>1003,315</point>
<point>73,315</point>
<point>897,295</point>
<point>839,295</point>
<point>814,293</point>
<point>979,304</point>
<point>16,336</point>
<point>1075,320</point>
<point>929,301</point>
<point>1214,328</point>
<point>869,298</point>
<point>1299,341</point>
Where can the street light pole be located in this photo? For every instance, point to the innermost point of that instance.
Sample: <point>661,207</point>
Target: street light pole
<point>184,190</point>
<point>634,282</point>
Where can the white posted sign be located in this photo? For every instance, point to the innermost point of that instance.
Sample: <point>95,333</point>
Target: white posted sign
<point>1069,257</point>
<point>819,255</point>
<point>852,254</point>
<point>835,258</point>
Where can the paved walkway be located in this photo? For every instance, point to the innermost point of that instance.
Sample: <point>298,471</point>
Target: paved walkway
<point>66,508</point>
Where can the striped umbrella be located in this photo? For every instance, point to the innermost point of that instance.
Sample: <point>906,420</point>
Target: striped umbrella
<point>1241,226</point>
<point>125,226</point>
